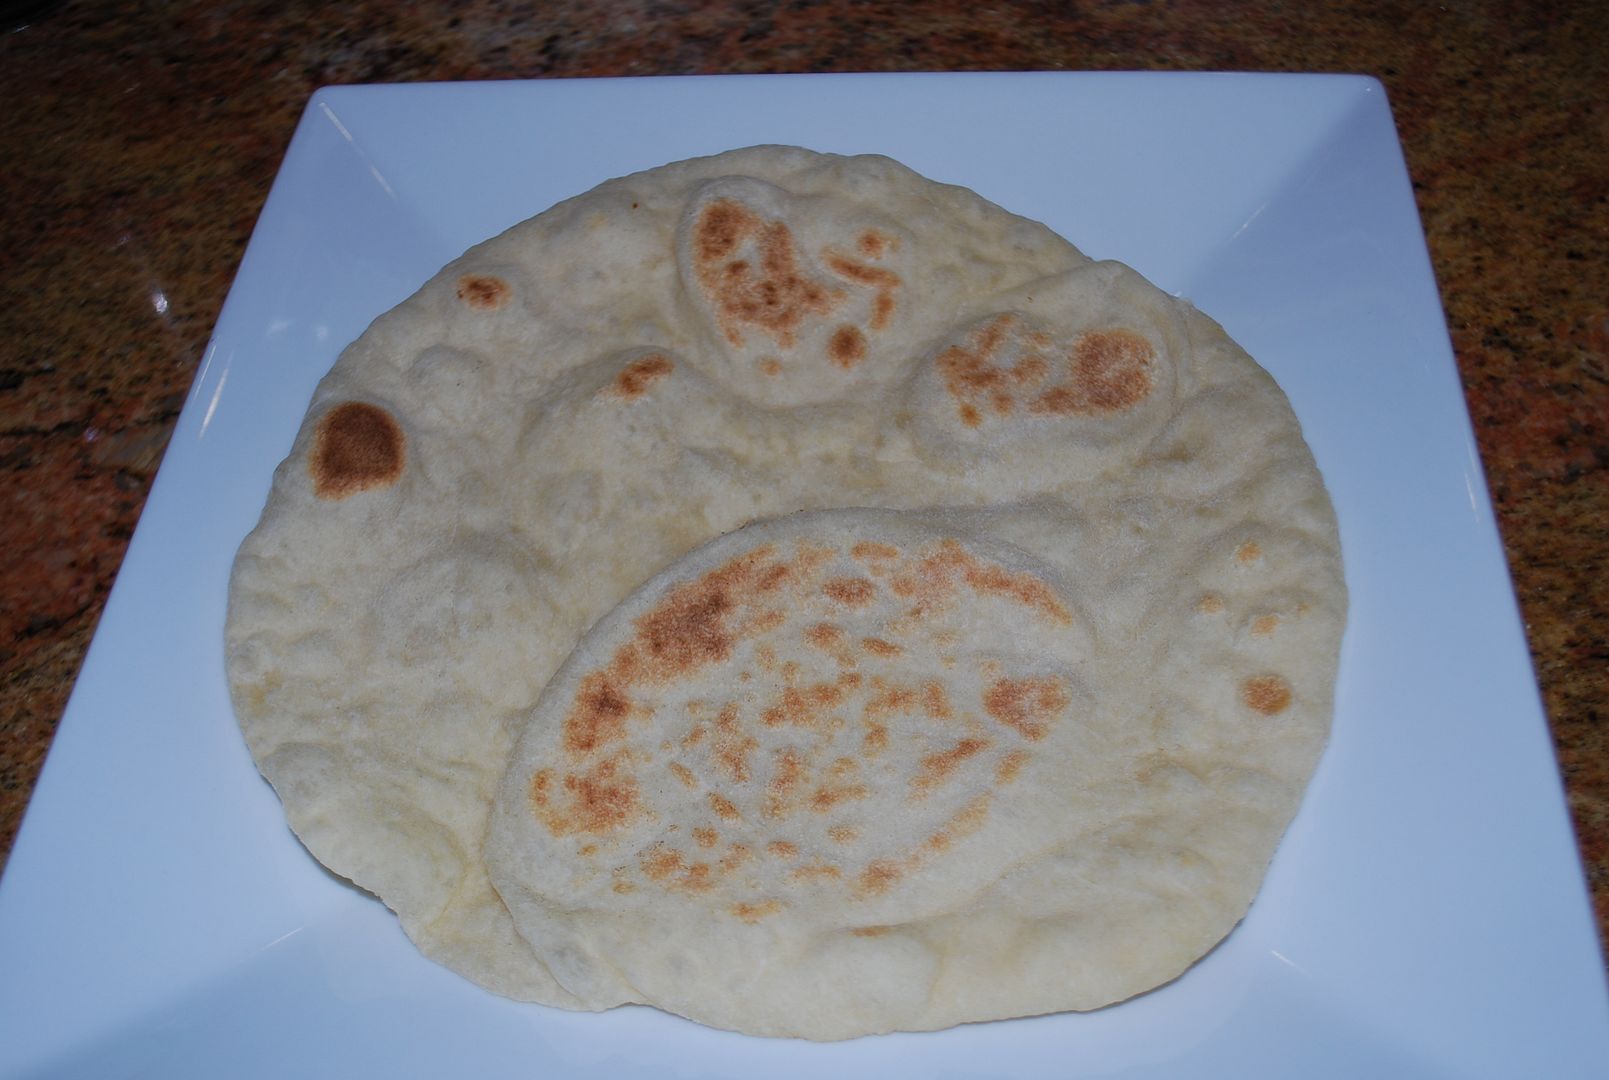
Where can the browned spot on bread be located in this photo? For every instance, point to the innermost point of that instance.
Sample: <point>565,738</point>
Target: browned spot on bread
<point>801,707</point>
<point>705,837</point>
<point>623,887</point>
<point>829,796</point>
<point>785,782</point>
<point>1111,373</point>
<point>935,701</point>
<point>599,715</point>
<point>1026,705</point>
<point>483,292</point>
<point>890,699</point>
<point>763,621</point>
<point>852,592</point>
<point>842,834</point>
<point>815,872</point>
<point>599,800</point>
<point>684,774</point>
<point>968,820</point>
<point>825,636</point>
<point>873,551</point>
<point>879,647</point>
<point>869,931</point>
<point>933,581</point>
<point>668,867</point>
<point>724,808</point>
<point>635,378</point>
<point>1267,694</point>
<point>774,297</point>
<point>1210,604</point>
<point>688,629</point>
<point>879,876</point>
<point>357,446</point>
<point>1105,371</point>
<point>934,769</point>
<point>846,347</point>
<point>659,863</point>
<point>1023,587</point>
<point>732,744</point>
<point>586,851</point>
<point>735,856</point>
<point>1265,625</point>
<point>771,578</point>
<point>876,739</point>
<point>874,277</point>
<point>1249,552</point>
<point>540,789</point>
<point>874,244</point>
<point>782,849</point>
<point>771,367</point>
<point>1010,766</point>
<point>753,913</point>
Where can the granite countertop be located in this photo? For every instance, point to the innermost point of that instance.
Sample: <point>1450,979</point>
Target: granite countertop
<point>141,141</point>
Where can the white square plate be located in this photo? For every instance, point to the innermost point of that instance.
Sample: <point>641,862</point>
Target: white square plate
<point>1426,914</point>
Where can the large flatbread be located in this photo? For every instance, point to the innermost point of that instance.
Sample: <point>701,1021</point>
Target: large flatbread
<point>559,417</point>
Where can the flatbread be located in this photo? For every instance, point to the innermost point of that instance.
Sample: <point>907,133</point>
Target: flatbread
<point>572,407</point>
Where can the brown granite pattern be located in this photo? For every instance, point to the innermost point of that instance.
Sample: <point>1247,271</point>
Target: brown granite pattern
<point>141,141</point>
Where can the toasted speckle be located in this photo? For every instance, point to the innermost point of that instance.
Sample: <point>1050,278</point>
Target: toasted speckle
<point>934,769</point>
<point>483,292</point>
<point>1210,604</point>
<point>599,715</point>
<point>635,378</point>
<point>731,745</point>
<point>879,647</point>
<point>1010,766</point>
<point>852,592</point>
<point>1267,694</point>
<point>775,296</point>
<point>600,800</point>
<point>878,877</point>
<point>1026,705</point>
<point>753,913</point>
<point>846,347</point>
<point>1111,373</point>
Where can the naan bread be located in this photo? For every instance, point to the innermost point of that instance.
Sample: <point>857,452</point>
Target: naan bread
<point>572,407</point>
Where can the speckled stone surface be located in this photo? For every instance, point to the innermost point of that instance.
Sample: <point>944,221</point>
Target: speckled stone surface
<point>140,142</point>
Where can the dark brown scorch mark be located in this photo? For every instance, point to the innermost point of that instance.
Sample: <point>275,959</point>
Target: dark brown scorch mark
<point>357,446</point>
<point>483,292</point>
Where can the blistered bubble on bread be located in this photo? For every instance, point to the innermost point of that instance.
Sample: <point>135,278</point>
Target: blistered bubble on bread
<point>801,299</point>
<point>795,698</point>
